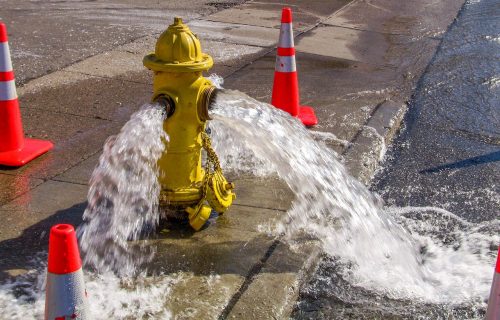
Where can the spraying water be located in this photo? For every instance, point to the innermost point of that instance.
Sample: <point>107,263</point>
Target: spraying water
<point>122,204</point>
<point>377,253</point>
<point>123,195</point>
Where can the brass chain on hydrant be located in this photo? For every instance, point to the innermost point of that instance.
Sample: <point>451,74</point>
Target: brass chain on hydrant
<point>178,84</point>
<point>219,198</point>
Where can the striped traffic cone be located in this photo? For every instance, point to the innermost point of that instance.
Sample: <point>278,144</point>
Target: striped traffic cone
<point>15,150</point>
<point>65,295</point>
<point>493,312</point>
<point>286,84</point>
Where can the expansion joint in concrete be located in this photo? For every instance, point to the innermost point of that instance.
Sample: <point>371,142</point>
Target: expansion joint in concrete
<point>256,269</point>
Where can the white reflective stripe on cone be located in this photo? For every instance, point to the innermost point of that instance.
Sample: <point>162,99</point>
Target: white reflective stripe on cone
<point>65,296</point>
<point>285,64</point>
<point>8,90</point>
<point>493,311</point>
<point>286,36</point>
<point>5,63</point>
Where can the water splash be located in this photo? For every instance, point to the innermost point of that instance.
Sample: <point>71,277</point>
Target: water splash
<point>122,203</point>
<point>123,195</point>
<point>379,253</point>
<point>110,296</point>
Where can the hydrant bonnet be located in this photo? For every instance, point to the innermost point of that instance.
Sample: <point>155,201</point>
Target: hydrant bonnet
<point>178,50</point>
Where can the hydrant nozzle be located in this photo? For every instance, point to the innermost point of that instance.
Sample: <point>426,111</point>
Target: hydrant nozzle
<point>179,86</point>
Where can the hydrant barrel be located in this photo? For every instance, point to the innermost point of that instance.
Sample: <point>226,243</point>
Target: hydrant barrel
<point>178,62</point>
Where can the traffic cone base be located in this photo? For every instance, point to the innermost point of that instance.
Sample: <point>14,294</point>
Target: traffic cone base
<point>70,302</point>
<point>15,150</point>
<point>31,149</point>
<point>307,116</point>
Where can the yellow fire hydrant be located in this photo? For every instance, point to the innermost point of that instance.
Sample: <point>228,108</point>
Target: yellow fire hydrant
<point>180,87</point>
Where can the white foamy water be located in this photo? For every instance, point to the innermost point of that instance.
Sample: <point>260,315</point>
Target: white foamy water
<point>123,195</point>
<point>110,296</point>
<point>393,254</point>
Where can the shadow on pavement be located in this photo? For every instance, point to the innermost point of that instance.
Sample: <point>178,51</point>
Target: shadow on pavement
<point>474,161</point>
<point>19,253</point>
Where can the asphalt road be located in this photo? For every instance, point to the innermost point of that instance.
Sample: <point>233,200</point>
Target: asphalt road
<point>448,155</point>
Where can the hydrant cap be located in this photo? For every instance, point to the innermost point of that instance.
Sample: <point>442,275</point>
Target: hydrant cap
<point>178,50</point>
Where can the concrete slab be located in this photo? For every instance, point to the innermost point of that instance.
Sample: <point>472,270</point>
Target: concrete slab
<point>268,13</point>
<point>233,55</point>
<point>343,105</point>
<point>342,43</point>
<point>425,18</point>
<point>235,33</point>
<point>224,53</point>
<point>368,47</point>
<point>247,218</point>
<point>70,31</point>
<point>274,290</point>
<point>318,8</point>
<point>220,70</point>
<point>52,80</point>
<point>201,297</point>
<point>115,64</point>
<point>90,97</point>
<point>13,186</point>
<point>271,193</point>
<point>212,263</point>
<point>81,172</point>
<point>76,140</point>
<point>29,218</point>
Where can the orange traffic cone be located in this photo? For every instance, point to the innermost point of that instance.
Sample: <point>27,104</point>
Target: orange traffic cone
<point>493,312</point>
<point>65,295</point>
<point>286,84</point>
<point>15,150</point>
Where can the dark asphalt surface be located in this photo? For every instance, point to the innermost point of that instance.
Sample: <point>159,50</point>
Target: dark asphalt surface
<point>448,155</point>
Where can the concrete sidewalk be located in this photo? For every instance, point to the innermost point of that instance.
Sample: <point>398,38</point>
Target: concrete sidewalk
<point>358,64</point>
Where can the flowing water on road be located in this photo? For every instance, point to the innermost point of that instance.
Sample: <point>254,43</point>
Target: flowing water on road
<point>425,255</point>
<point>444,171</point>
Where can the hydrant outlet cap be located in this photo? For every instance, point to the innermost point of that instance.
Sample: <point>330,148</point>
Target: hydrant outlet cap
<point>178,50</point>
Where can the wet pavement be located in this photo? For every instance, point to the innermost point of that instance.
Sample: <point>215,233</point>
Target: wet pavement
<point>357,71</point>
<point>48,35</point>
<point>447,157</point>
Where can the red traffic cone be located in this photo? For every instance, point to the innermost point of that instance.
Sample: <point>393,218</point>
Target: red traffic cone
<point>493,312</point>
<point>65,295</point>
<point>286,84</point>
<point>15,150</point>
